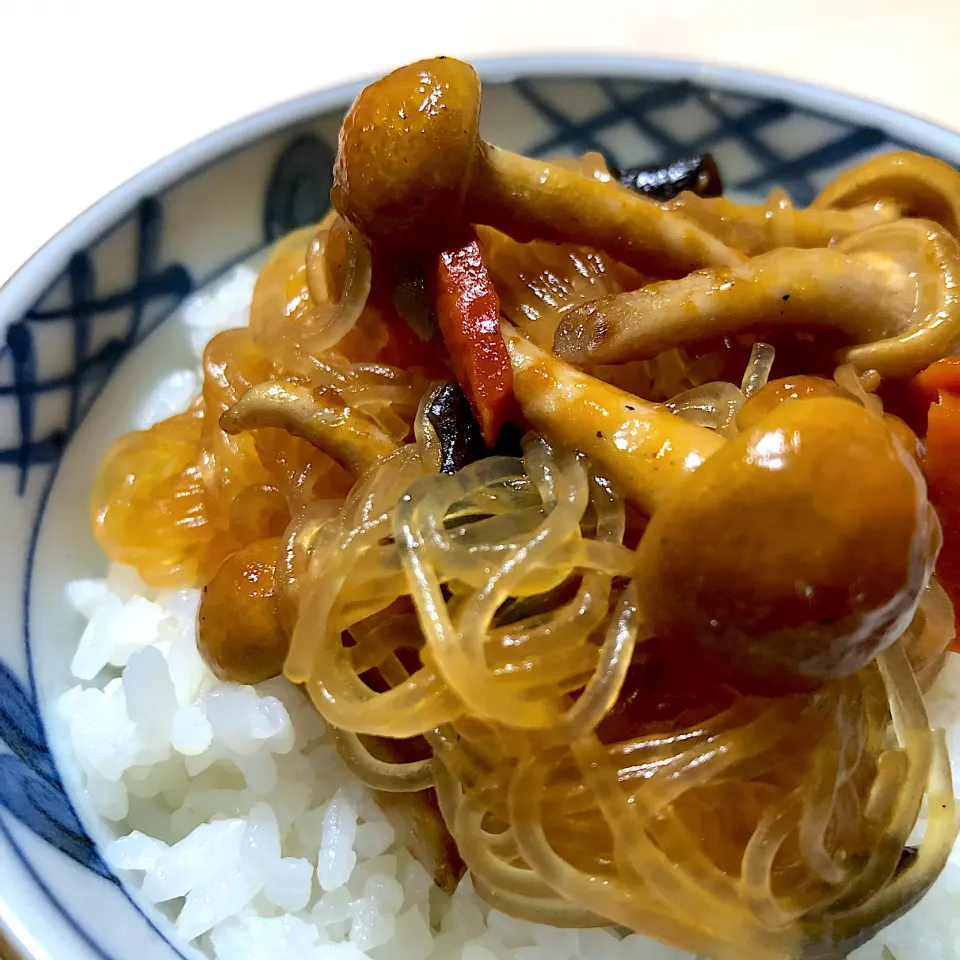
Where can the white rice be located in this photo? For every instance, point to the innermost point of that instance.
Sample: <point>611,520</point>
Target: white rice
<point>234,813</point>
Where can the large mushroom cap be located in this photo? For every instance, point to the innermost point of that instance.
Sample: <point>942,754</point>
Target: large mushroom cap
<point>775,564</point>
<point>407,147</point>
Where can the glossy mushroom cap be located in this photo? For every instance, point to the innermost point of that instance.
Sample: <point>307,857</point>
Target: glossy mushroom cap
<point>407,148</point>
<point>796,553</point>
<point>239,635</point>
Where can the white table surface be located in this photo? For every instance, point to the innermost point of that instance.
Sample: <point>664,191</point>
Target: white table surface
<point>92,91</point>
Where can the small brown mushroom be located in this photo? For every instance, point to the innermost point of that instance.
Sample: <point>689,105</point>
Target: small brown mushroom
<point>239,634</point>
<point>920,186</point>
<point>760,549</point>
<point>346,434</point>
<point>412,171</point>
<point>891,289</point>
<point>776,564</point>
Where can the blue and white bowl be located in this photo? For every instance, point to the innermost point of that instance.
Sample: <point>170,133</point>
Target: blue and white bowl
<point>76,316</point>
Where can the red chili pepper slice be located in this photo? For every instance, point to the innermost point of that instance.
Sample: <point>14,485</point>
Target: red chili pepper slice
<point>940,382</point>
<point>468,314</point>
<point>944,375</point>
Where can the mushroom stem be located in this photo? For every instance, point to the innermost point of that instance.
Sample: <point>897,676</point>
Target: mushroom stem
<point>932,330</point>
<point>643,447</point>
<point>534,200</point>
<point>412,171</point>
<point>892,290</point>
<point>347,435</point>
<point>757,228</point>
<point>864,299</point>
<point>921,186</point>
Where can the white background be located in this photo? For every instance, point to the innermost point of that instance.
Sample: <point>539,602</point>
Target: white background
<point>92,91</point>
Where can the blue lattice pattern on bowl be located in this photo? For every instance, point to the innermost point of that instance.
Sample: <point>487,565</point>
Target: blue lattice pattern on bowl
<point>75,312</point>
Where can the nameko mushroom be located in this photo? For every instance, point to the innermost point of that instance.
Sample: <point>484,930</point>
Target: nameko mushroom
<point>745,504</point>
<point>412,170</point>
<point>891,290</point>
<point>346,434</point>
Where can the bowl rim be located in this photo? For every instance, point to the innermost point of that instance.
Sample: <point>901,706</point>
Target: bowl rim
<point>25,286</point>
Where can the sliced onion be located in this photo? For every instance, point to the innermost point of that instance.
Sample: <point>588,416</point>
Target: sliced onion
<point>328,323</point>
<point>758,368</point>
<point>289,324</point>
<point>713,405</point>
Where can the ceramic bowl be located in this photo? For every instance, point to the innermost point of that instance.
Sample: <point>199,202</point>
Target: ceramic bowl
<point>84,313</point>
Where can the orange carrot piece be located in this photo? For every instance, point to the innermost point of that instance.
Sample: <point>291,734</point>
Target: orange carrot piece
<point>942,469</point>
<point>468,314</point>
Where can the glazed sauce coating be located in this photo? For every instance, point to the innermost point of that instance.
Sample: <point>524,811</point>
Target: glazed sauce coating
<point>240,635</point>
<point>398,194</point>
<point>770,396</point>
<point>797,552</point>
